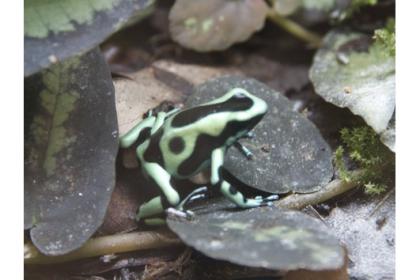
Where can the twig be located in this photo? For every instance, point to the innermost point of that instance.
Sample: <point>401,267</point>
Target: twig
<point>295,29</point>
<point>334,188</point>
<point>385,198</point>
<point>106,245</point>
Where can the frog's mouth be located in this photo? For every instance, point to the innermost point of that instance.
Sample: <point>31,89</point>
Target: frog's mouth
<point>254,121</point>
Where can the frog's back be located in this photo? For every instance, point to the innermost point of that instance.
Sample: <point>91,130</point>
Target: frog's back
<point>187,149</point>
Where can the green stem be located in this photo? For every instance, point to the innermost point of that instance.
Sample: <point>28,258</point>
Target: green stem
<point>333,189</point>
<point>295,29</point>
<point>106,245</point>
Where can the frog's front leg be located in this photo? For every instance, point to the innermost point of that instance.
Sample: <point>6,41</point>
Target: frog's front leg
<point>162,178</point>
<point>227,189</point>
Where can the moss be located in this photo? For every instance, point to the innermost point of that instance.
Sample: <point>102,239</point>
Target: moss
<point>365,150</point>
<point>385,37</point>
<point>354,7</point>
<point>357,4</point>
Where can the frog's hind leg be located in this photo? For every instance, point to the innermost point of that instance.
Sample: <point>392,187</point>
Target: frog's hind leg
<point>151,208</point>
<point>230,191</point>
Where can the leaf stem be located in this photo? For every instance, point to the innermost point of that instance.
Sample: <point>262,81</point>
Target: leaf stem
<point>295,29</point>
<point>332,189</point>
<point>106,245</point>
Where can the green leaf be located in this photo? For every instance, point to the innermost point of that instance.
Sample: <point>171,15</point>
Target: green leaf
<point>217,24</point>
<point>351,72</point>
<point>265,237</point>
<point>71,141</point>
<point>58,29</point>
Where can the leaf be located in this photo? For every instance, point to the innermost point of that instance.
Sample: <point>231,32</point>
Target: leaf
<point>289,151</point>
<point>71,141</point>
<point>215,25</point>
<point>58,29</point>
<point>266,237</point>
<point>351,73</point>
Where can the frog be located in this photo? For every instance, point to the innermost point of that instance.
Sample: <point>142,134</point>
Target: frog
<point>182,143</point>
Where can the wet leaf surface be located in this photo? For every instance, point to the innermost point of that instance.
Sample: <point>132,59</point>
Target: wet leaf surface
<point>366,227</point>
<point>71,141</point>
<point>289,152</point>
<point>215,25</point>
<point>349,72</point>
<point>56,30</point>
<point>266,237</point>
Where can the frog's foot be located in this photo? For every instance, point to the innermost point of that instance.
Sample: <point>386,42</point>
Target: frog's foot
<point>199,193</point>
<point>268,200</point>
<point>249,135</point>
<point>184,214</point>
<point>249,155</point>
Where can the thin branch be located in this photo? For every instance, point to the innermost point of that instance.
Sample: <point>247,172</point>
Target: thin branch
<point>295,29</point>
<point>106,245</point>
<point>334,188</point>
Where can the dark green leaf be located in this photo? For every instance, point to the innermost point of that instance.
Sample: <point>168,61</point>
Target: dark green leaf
<point>57,29</point>
<point>289,152</point>
<point>265,237</point>
<point>71,141</point>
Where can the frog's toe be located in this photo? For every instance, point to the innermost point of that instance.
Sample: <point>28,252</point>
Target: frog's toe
<point>273,197</point>
<point>184,214</point>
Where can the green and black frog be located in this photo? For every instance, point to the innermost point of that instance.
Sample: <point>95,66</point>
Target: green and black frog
<point>180,144</point>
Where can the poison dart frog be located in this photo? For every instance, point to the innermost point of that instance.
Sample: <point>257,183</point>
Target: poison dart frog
<point>180,144</point>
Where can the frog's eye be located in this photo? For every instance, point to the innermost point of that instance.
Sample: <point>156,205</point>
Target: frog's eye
<point>240,94</point>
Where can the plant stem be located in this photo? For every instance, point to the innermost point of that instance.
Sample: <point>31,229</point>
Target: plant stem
<point>295,29</point>
<point>334,188</point>
<point>106,245</point>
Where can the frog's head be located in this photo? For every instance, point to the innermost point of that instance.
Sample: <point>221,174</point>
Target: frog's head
<point>243,109</point>
<point>230,116</point>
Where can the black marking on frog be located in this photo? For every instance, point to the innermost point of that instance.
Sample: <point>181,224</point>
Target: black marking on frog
<point>177,145</point>
<point>233,104</point>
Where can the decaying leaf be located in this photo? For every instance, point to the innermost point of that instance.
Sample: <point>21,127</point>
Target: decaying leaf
<point>289,152</point>
<point>266,237</point>
<point>217,24</point>
<point>56,30</point>
<point>350,72</point>
<point>71,140</point>
<point>367,228</point>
